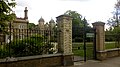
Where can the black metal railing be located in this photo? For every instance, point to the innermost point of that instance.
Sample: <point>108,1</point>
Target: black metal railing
<point>112,41</point>
<point>25,42</point>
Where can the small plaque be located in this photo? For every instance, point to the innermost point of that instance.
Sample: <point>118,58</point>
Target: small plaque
<point>90,35</point>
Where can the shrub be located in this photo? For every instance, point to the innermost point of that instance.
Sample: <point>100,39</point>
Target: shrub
<point>33,45</point>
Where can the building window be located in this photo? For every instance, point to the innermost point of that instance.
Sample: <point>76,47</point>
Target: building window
<point>21,27</point>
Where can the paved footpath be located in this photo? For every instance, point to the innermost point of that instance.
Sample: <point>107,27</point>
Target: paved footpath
<point>111,62</point>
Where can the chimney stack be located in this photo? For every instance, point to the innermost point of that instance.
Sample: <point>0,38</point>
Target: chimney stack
<point>26,13</point>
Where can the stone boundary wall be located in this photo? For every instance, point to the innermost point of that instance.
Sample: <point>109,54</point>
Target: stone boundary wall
<point>51,60</point>
<point>109,53</point>
<point>65,58</point>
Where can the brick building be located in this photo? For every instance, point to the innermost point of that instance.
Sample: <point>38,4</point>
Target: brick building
<point>18,23</point>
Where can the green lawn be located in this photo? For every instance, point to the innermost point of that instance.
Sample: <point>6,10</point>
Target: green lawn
<point>78,48</point>
<point>110,45</point>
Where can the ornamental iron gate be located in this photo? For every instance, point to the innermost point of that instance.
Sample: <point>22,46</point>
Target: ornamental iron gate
<point>84,43</point>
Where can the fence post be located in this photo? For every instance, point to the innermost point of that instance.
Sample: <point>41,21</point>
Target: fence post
<point>100,40</point>
<point>65,38</point>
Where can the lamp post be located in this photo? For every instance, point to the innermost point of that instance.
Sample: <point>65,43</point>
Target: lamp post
<point>84,37</point>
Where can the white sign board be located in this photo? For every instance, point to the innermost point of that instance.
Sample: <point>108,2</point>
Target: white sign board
<point>89,34</point>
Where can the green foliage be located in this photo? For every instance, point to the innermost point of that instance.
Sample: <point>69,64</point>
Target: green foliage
<point>113,34</point>
<point>3,53</point>
<point>33,45</point>
<point>31,25</point>
<point>77,18</point>
<point>116,30</point>
<point>109,36</point>
<point>25,46</point>
<point>78,24</point>
<point>6,13</point>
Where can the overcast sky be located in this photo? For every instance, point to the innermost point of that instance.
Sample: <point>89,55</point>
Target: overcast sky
<point>93,10</point>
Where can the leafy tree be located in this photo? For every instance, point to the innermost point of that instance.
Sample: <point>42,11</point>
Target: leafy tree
<point>114,23</point>
<point>109,35</point>
<point>77,18</point>
<point>6,13</point>
<point>115,20</point>
<point>31,25</point>
<point>77,25</point>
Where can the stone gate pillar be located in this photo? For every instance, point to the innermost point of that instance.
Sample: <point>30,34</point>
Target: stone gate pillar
<point>65,38</point>
<point>100,40</point>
